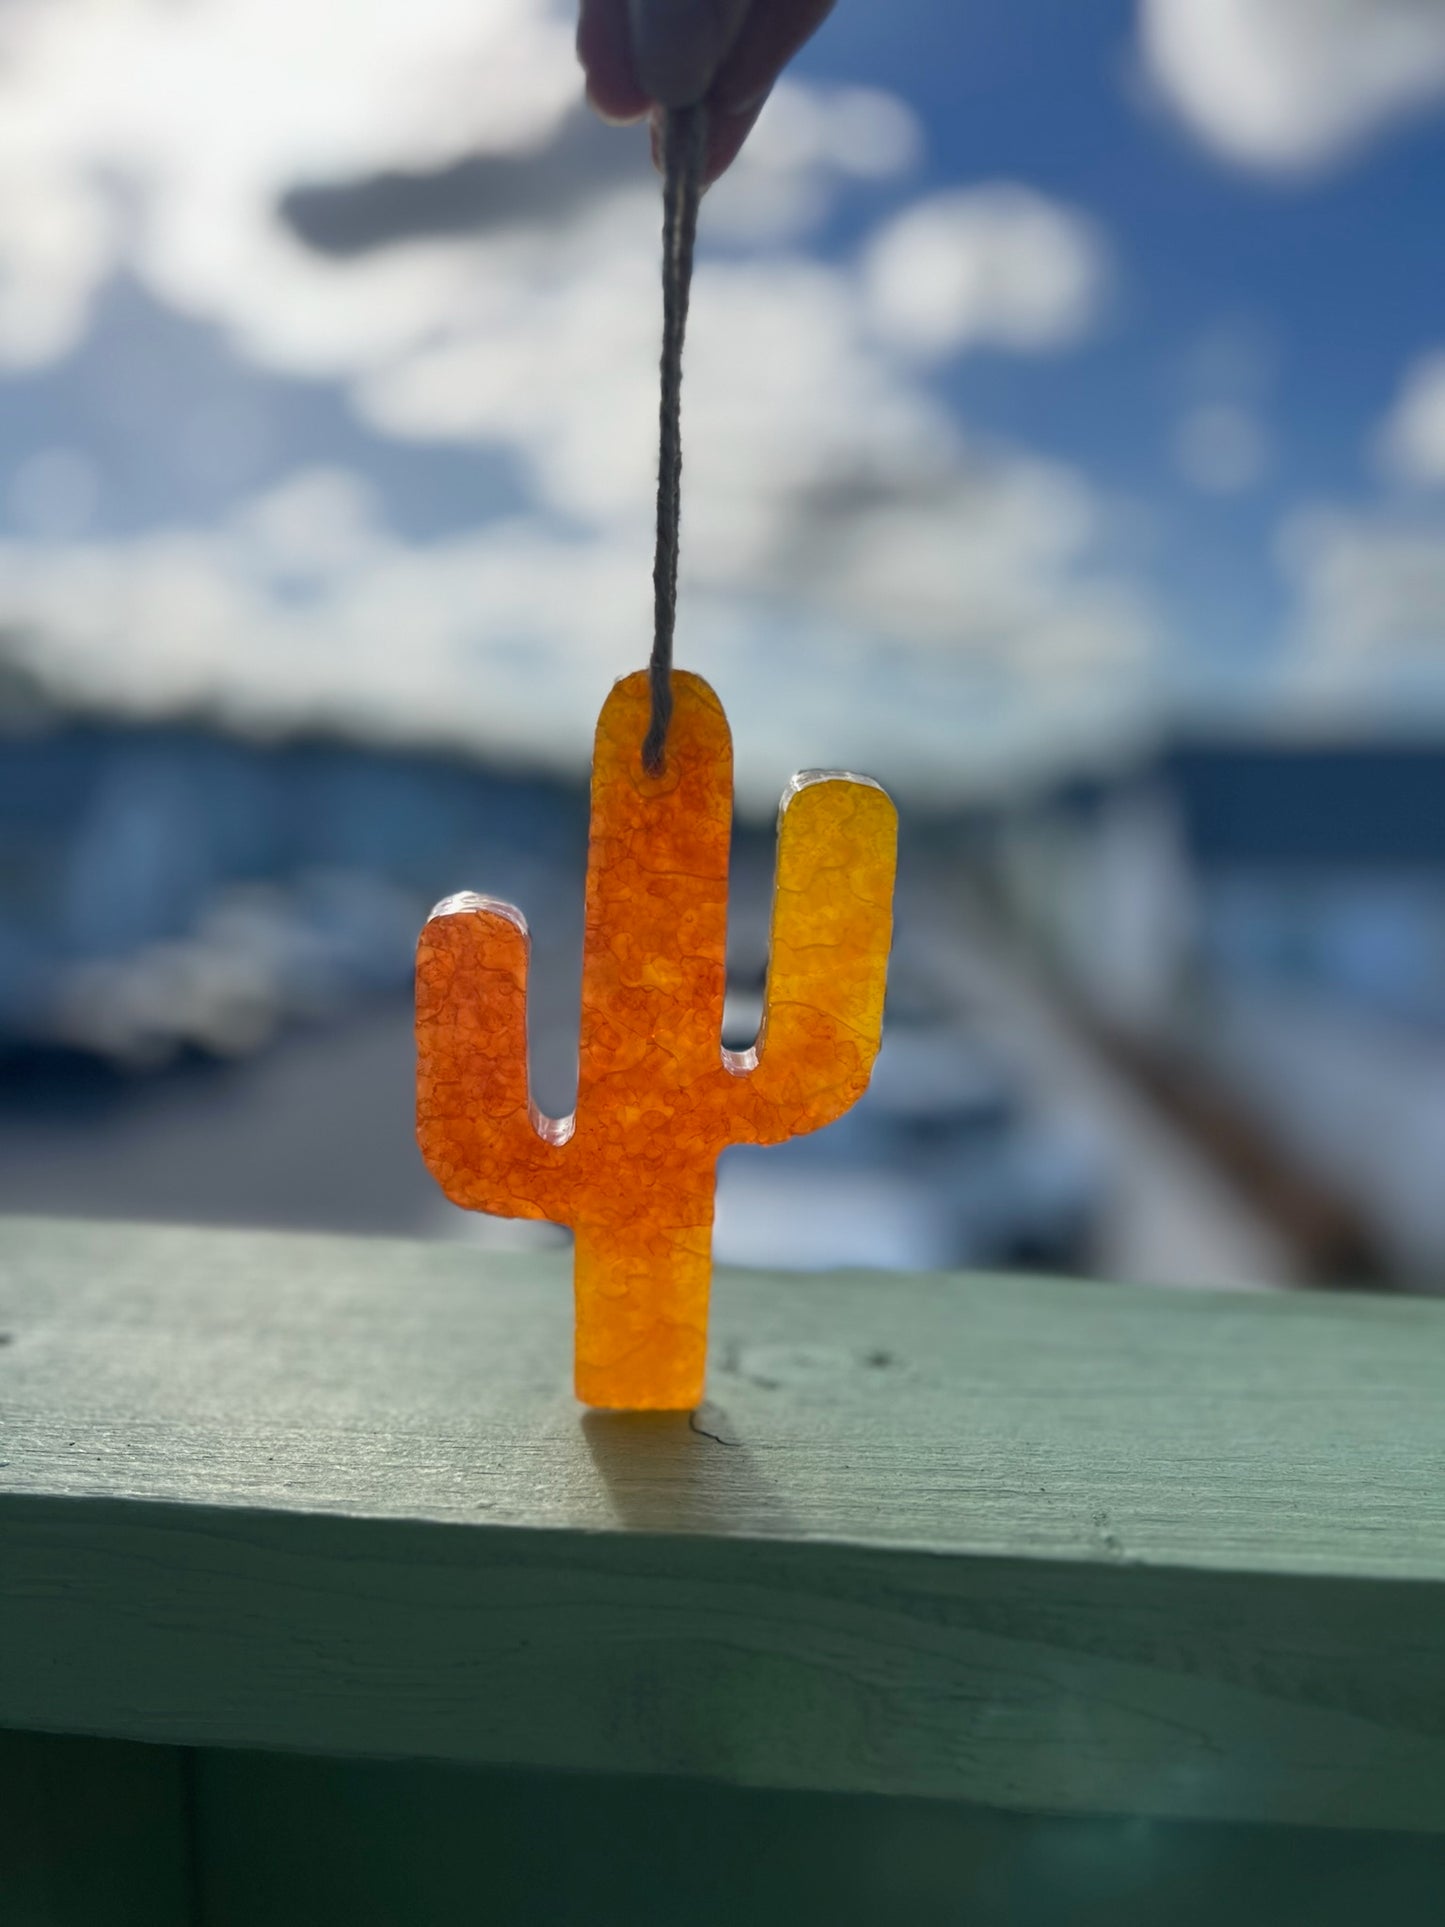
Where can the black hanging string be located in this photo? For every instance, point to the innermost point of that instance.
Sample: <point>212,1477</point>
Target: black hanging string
<point>684,142</point>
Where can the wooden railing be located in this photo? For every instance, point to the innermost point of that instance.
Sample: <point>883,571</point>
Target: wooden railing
<point>1059,1548</point>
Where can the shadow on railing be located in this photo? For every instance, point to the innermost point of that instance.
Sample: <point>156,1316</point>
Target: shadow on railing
<point>683,1472</point>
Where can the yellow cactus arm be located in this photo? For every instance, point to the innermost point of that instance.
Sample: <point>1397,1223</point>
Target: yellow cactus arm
<point>483,1139</point>
<point>828,959</point>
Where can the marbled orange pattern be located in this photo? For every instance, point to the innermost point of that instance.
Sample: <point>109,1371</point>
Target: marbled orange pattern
<point>633,1170</point>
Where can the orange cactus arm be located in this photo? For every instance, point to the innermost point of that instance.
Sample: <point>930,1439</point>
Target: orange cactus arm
<point>483,1139</point>
<point>828,959</point>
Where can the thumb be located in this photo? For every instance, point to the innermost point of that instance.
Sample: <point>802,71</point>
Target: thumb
<point>678,45</point>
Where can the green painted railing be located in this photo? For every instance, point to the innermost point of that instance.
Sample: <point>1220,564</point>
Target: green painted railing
<point>1026,1547</point>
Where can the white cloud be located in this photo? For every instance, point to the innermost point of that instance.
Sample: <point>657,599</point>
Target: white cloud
<point>175,130</point>
<point>1289,85</point>
<point>809,139</point>
<point>1368,638</point>
<point>57,241</point>
<point>1412,441</point>
<point>783,389</point>
<point>227,104</point>
<point>865,585</point>
<point>942,665</point>
<point>1221,448</point>
<point>992,266</point>
<point>534,335</point>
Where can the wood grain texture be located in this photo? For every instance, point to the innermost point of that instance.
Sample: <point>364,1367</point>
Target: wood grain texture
<point>1043,1545</point>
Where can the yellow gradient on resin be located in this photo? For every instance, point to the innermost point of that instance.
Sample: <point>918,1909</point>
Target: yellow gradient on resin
<point>633,1171</point>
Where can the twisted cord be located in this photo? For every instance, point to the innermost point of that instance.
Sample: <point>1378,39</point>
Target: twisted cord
<point>684,142</point>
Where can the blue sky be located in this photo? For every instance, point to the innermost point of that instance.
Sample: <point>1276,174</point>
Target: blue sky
<point>1059,374</point>
<point>1300,292</point>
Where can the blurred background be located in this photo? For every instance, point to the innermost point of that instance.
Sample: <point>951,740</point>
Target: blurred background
<point>1065,438</point>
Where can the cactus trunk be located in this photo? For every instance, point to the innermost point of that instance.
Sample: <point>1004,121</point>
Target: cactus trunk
<point>642,1299</point>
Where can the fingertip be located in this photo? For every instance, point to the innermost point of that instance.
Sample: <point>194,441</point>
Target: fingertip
<point>614,111</point>
<point>726,132</point>
<point>605,50</point>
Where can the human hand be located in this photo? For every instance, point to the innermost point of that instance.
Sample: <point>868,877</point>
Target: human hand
<point>643,56</point>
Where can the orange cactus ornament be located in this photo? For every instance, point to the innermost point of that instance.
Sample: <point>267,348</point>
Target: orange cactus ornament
<point>633,1170</point>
